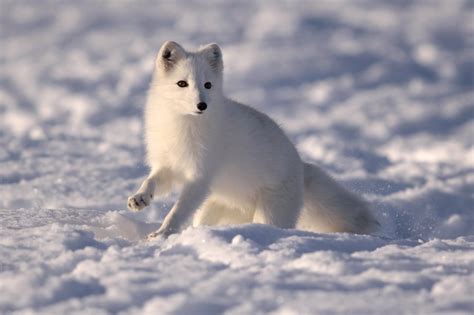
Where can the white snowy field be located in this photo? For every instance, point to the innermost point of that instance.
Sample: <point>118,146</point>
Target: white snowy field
<point>379,93</point>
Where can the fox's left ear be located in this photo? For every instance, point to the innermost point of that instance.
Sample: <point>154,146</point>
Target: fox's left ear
<point>170,53</point>
<point>212,52</point>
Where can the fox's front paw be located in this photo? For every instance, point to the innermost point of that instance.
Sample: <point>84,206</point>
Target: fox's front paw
<point>154,235</point>
<point>162,232</point>
<point>139,201</point>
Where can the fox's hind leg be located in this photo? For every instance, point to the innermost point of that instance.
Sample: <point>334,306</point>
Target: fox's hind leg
<point>216,213</point>
<point>280,206</point>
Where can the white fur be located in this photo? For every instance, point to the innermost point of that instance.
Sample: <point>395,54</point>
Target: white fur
<point>233,163</point>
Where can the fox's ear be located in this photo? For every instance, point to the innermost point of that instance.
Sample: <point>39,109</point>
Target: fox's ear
<point>170,53</point>
<point>213,54</point>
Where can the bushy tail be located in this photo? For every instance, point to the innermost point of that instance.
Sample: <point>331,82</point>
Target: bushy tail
<point>328,207</point>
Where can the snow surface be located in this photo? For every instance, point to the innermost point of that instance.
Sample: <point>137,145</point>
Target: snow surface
<point>379,93</point>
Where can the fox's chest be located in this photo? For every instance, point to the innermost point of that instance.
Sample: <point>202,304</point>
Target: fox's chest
<point>185,151</point>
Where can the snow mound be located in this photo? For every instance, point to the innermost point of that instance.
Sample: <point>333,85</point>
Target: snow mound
<point>238,269</point>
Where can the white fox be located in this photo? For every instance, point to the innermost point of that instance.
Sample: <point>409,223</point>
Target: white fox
<point>234,164</point>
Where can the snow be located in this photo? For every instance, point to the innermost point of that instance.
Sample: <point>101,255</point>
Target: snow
<point>379,93</point>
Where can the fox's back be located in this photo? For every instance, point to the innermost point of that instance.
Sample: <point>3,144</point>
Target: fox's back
<point>257,153</point>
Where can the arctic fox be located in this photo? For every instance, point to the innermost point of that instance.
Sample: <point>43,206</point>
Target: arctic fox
<point>234,164</point>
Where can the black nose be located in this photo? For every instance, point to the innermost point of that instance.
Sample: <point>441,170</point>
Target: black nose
<point>202,106</point>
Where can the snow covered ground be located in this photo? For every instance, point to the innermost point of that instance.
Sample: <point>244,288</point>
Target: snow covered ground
<point>381,94</point>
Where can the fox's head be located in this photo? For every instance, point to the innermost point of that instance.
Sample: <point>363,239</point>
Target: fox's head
<point>191,82</point>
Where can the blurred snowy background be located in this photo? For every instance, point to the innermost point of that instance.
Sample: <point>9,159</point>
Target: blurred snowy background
<point>379,93</point>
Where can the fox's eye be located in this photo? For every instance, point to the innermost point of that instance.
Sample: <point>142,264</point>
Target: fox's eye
<point>182,83</point>
<point>208,85</point>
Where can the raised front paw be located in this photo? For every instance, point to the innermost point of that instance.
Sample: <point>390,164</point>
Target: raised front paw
<point>139,201</point>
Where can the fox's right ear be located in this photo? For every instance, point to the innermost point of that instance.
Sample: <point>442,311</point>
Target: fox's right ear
<point>170,53</point>
<point>213,54</point>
